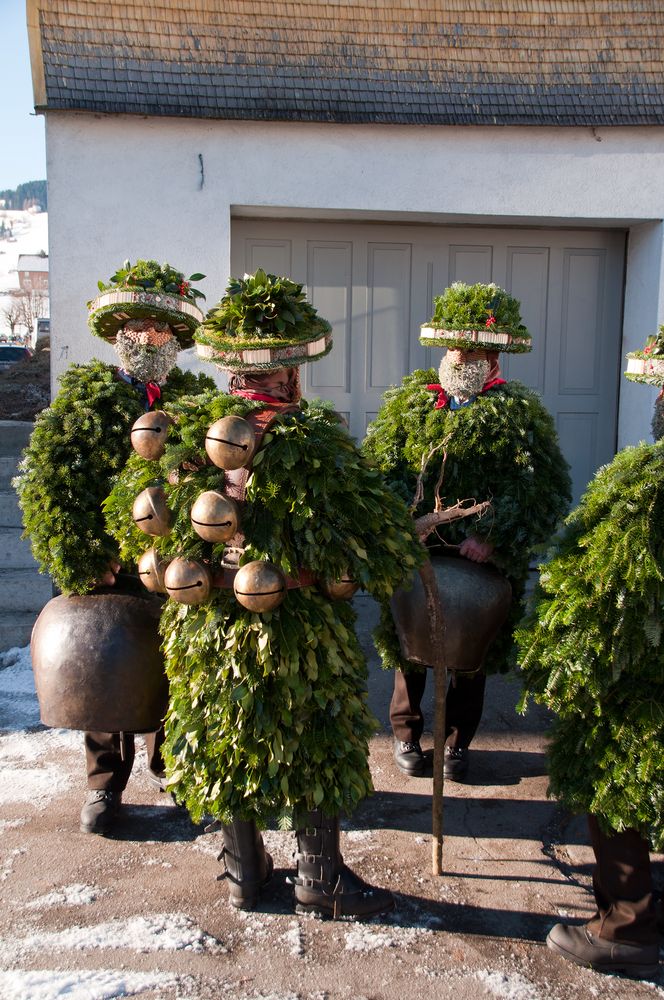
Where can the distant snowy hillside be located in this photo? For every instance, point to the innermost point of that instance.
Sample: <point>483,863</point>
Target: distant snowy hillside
<point>29,234</point>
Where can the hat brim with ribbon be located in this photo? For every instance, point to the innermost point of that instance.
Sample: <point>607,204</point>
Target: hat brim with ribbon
<point>492,338</point>
<point>644,368</point>
<point>267,352</point>
<point>112,309</point>
<point>478,317</point>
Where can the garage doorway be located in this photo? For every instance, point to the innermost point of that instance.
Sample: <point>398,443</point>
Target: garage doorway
<point>375,283</point>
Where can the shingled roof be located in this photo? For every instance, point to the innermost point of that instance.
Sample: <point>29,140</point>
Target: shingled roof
<point>459,62</point>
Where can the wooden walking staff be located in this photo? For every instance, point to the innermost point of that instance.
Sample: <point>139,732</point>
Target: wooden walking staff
<point>437,626</point>
<point>425,526</point>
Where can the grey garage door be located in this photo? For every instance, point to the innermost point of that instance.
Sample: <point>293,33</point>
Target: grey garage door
<point>375,283</point>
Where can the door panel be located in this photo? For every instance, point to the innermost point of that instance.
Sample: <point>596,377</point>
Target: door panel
<point>388,312</point>
<point>330,288</point>
<point>376,284</point>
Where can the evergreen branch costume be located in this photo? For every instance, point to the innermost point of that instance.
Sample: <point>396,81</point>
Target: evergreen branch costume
<point>85,648</point>
<point>591,650</point>
<point>592,647</point>
<point>503,448</point>
<point>79,444</point>
<point>268,710</point>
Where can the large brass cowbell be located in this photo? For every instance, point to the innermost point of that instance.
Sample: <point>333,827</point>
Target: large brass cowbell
<point>230,443</point>
<point>215,517</point>
<point>148,434</point>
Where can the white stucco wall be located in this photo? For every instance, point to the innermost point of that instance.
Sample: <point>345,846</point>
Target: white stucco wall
<point>129,187</point>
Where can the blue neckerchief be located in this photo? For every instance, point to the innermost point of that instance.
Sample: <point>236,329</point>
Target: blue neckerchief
<point>138,385</point>
<point>455,404</point>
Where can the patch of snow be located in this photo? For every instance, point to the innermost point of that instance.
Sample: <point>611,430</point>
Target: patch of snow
<point>359,835</point>
<point>10,824</point>
<point>161,932</point>
<point>18,701</point>
<point>294,940</point>
<point>509,986</point>
<point>97,984</point>
<point>22,742</point>
<point>67,895</point>
<point>364,938</point>
<point>37,785</point>
<point>8,864</point>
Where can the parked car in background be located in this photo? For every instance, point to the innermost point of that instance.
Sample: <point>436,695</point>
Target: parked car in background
<point>11,354</point>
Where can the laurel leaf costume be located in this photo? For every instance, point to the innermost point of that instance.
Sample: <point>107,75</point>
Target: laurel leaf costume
<point>268,711</point>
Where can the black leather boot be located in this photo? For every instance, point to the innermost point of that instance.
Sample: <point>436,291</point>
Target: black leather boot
<point>324,884</point>
<point>248,865</point>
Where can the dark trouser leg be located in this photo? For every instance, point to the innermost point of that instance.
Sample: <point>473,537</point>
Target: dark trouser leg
<point>153,745</point>
<point>108,761</point>
<point>406,716</point>
<point>465,702</point>
<point>622,882</point>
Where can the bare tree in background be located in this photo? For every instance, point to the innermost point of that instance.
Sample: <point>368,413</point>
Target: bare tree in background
<point>32,305</point>
<point>11,315</point>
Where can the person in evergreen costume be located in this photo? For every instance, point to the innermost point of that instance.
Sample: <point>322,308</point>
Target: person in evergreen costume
<point>274,521</point>
<point>80,442</point>
<point>469,436</point>
<point>592,650</point>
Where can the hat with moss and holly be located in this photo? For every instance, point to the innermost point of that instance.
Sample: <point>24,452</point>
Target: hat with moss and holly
<point>476,317</point>
<point>263,322</point>
<point>147,290</point>
<point>648,365</point>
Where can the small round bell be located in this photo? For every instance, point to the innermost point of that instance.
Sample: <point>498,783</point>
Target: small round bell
<point>230,443</point>
<point>341,589</point>
<point>187,581</point>
<point>151,569</point>
<point>215,517</point>
<point>148,434</point>
<point>260,586</point>
<point>150,512</point>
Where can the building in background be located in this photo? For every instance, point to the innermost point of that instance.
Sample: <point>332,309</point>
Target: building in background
<point>376,151</point>
<point>33,272</point>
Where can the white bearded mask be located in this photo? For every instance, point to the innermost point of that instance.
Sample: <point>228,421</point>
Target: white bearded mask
<point>463,377</point>
<point>147,350</point>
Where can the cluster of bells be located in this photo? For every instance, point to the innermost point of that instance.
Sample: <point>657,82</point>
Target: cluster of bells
<point>259,585</point>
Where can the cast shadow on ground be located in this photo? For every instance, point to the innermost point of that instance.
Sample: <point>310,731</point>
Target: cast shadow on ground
<point>425,914</point>
<point>482,818</point>
<point>166,823</point>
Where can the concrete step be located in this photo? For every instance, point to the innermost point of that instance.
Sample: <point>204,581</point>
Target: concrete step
<point>10,512</point>
<point>8,465</point>
<point>15,552</point>
<point>14,436</point>
<point>16,628</point>
<point>25,590</point>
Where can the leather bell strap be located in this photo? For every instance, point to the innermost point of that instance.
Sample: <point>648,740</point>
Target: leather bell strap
<point>224,579</point>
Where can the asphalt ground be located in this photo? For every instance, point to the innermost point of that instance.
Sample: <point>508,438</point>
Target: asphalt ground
<point>142,913</point>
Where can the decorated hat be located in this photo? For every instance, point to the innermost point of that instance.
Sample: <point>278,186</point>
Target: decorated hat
<point>146,290</point>
<point>263,322</point>
<point>648,365</point>
<point>476,317</point>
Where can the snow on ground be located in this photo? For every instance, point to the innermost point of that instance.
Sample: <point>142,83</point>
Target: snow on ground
<point>158,932</point>
<point>24,774</point>
<point>67,895</point>
<point>97,984</point>
<point>509,986</point>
